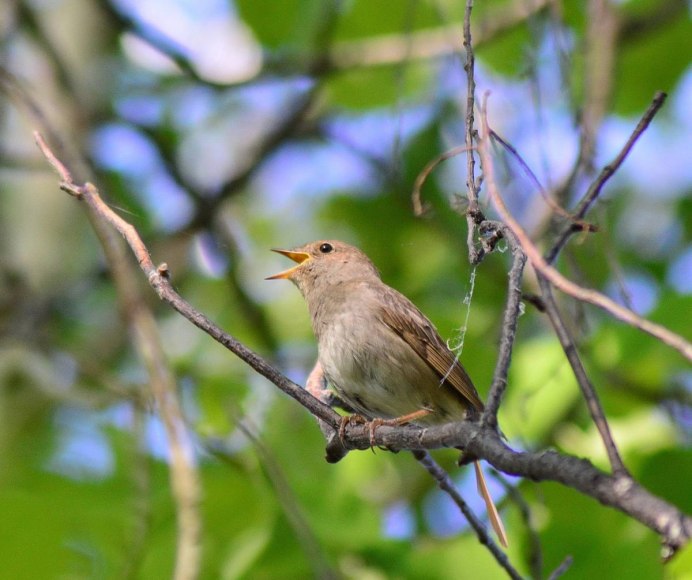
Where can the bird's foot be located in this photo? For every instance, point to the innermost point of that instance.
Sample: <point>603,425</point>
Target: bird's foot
<point>372,427</point>
<point>316,383</point>
<point>354,419</point>
<point>396,422</point>
<point>377,422</point>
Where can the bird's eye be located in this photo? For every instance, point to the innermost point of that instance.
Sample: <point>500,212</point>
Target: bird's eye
<point>326,248</point>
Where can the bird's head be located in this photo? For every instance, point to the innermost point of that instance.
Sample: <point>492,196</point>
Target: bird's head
<point>325,264</point>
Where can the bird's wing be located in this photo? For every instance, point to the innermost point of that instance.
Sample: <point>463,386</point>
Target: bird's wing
<point>405,320</point>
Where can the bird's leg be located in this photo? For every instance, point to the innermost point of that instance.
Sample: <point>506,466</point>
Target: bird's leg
<point>316,383</point>
<point>396,422</point>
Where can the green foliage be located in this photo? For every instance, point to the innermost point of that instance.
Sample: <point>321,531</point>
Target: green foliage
<point>288,30</point>
<point>584,527</point>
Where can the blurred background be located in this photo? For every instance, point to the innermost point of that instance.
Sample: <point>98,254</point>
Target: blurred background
<point>221,129</point>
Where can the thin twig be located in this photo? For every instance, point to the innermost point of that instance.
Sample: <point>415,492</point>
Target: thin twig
<point>558,280</point>
<point>509,325</point>
<point>158,279</point>
<point>606,173</point>
<point>418,206</point>
<point>474,216</point>
<point>556,207</point>
<point>446,484</point>
<point>561,569</point>
<point>184,478</point>
<point>588,391</point>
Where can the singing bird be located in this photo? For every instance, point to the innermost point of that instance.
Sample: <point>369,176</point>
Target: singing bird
<point>381,355</point>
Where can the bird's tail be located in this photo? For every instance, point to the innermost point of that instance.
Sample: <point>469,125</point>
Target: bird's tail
<point>493,515</point>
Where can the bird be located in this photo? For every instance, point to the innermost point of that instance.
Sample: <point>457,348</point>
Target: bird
<point>378,352</point>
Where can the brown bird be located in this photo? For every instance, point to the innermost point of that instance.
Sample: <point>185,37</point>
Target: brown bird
<point>380,354</point>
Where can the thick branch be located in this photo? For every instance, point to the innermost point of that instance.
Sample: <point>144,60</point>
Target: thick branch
<point>619,492</point>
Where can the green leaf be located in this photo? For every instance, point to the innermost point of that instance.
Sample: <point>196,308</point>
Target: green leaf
<point>289,24</point>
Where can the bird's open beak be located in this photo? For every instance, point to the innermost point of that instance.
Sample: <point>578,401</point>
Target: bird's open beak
<point>298,257</point>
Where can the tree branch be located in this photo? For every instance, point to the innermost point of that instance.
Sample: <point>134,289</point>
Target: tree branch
<point>606,173</point>
<point>183,472</point>
<point>561,282</point>
<point>588,391</point>
<point>621,493</point>
<point>474,216</point>
<point>158,278</point>
<point>509,324</point>
<point>480,441</point>
<point>446,484</point>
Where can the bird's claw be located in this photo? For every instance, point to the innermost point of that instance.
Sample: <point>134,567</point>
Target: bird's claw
<point>377,422</point>
<point>354,419</point>
<point>372,427</point>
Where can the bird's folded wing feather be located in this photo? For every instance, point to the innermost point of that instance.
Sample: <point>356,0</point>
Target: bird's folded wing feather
<point>419,333</point>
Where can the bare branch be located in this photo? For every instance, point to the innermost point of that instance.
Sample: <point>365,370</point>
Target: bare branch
<point>558,280</point>
<point>561,569</point>
<point>474,216</point>
<point>158,278</point>
<point>588,391</point>
<point>418,206</point>
<point>446,484</point>
<point>606,173</point>
<point>509,324</point>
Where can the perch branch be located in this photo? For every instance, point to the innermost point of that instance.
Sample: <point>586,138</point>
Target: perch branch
<point>158,278</point>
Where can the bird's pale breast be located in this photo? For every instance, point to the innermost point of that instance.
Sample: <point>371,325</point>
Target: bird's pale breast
<point>377,373</point>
